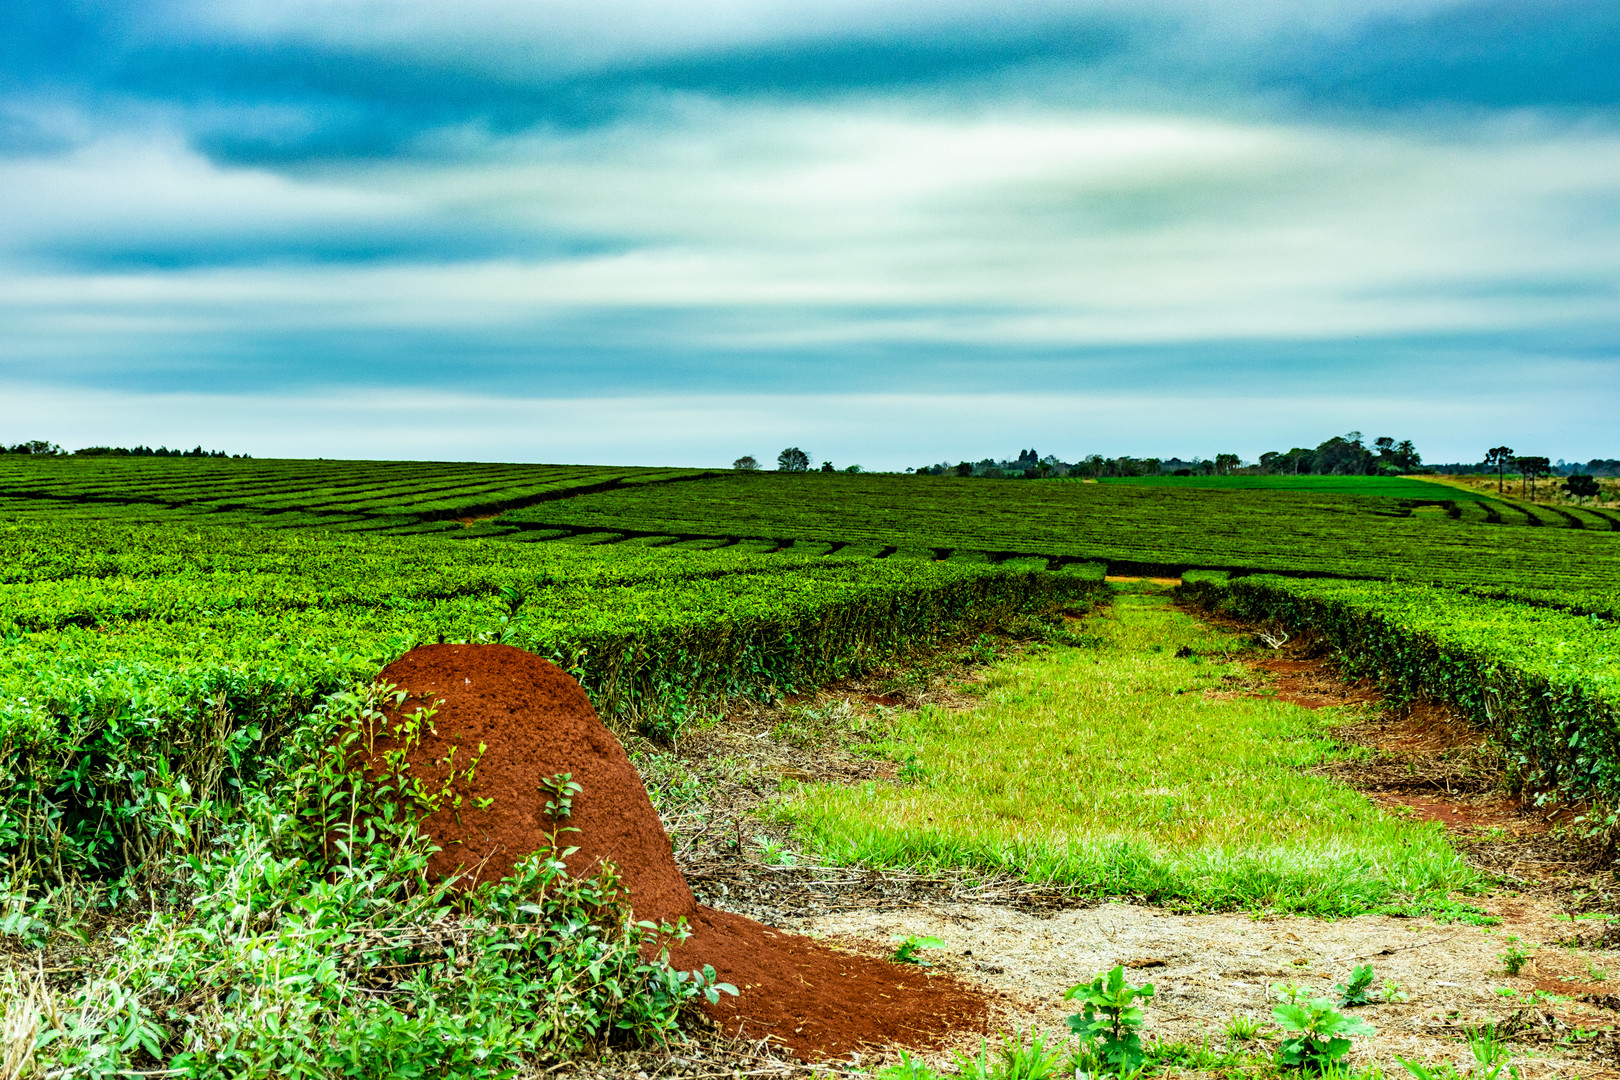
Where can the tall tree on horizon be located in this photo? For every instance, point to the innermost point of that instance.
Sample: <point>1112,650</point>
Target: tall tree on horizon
<point>1500,456</point>
<point>1530,470</point>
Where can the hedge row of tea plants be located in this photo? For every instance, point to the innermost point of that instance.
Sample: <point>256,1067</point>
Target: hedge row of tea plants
<point>134,654</point>
<point>1543,683</point>
<point>294,493</point>
<point>1134,527</point>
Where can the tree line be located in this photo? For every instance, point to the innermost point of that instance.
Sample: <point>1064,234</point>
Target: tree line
<point>43,448</point>
<point>1349,454</point>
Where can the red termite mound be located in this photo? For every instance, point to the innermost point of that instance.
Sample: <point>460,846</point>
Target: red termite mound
<point>535,722</point>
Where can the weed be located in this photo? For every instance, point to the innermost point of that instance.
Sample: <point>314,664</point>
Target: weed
<point>306,939</point>
<point>773,852</point>
<point>1490,1056</point>
<point>23,919</point>
<point>1291,992</point>
<point>907,952</point>
<point>1244,1028</point>
<point>912,770</point>
<point>1110,1019</point>
<point>907,1068</point>
<point>1490,1060</point>
<point>1393,992</point>
<point>1355,992</point>
<point>1017,1058</point>
<point>1514,958</point>
<point>1320,1034</point>
<point>1595,973</point>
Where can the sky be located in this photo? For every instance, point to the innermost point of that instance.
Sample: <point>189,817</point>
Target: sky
<point>891,232</point>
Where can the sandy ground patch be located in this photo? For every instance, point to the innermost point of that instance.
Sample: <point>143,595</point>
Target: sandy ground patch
<point>1208,968</point>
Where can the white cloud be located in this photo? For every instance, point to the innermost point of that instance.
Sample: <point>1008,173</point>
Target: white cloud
<point>125,189</point>
<point>837,225</point>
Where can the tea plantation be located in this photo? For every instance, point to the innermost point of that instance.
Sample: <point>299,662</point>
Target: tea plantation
<point>183,641</point>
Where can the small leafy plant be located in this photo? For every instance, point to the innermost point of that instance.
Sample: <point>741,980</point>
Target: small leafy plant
<point>907,952</point>
<point>1513,959</point>
<point>772,852</point>
<point>1320,1034</point>
<point>1356,991</point>
<point>1110,1020</point>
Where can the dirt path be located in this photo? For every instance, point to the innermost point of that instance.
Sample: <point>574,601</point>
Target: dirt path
<point>1027,944</point>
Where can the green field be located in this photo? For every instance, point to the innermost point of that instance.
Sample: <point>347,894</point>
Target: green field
<point>183,640</point>
<point>1135,528</point>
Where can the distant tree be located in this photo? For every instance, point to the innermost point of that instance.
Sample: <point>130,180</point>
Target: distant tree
<point>964,468</point>
<point>1225,463</point>
<point>793,460</point>
<point>1581,486</point>
<point>853,469</point>
<point>746,463</point>
<point>827,466</point>
<point>34,446</point>
<point>1343,455</point>
<point>1499,457</point>
<point>1531,469</point>
<point>1395,457</point>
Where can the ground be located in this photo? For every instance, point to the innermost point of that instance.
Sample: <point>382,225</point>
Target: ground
<point>1027,943</point>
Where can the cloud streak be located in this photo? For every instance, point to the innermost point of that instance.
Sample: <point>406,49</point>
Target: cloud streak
<point>600,198</point>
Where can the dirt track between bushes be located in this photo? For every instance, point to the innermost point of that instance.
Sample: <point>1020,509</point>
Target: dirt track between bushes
<point>1025,944</point>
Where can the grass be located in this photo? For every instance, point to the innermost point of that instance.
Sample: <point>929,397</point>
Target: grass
<point>1111,768</point>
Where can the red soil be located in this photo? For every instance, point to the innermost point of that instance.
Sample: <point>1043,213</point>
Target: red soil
<point>536,722</point>
<point>817,1001</point>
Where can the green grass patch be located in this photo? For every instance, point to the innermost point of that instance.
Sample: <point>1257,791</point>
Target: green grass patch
<point>1113,768</point>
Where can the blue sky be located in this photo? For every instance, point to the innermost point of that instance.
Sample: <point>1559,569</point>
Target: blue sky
<point>891,232</point>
